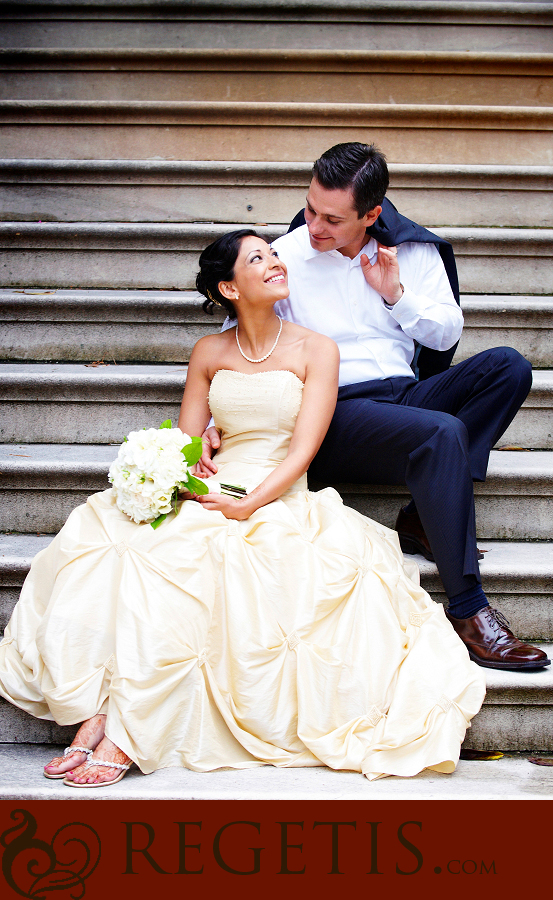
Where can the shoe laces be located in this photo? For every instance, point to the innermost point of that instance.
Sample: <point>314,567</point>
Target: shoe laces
<point>495,617</point>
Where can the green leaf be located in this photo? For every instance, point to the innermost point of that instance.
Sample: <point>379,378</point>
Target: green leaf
<point>193,451</point>
<point>125,440</point>
<point>157,522</point>
<point>167,424</point>
<point>197,486</point>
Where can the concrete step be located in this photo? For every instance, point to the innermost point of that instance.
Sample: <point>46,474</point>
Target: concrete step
<point>103,190</point>
<point>401,25</point>
<point>108,255</point>
<point>16,554</point>
<point>275,131</point>
<point>517,715</point>
<point>510,778</point>
<point>122,326</point>
<point>126,326</point>
<point>514,504</point>
<point>68,402</point>
<point>78,404</point>
<point>517,578</point>
<point>306,76</point>
<point>137,255</point>
<point>494,321</point>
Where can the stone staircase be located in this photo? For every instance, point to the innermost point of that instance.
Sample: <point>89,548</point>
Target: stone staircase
<point>133,135</point>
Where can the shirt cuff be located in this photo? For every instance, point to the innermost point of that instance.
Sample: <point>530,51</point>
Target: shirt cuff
<point>407,310</point>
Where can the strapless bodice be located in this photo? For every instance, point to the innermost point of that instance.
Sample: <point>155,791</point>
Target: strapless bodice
<point>256,414</point>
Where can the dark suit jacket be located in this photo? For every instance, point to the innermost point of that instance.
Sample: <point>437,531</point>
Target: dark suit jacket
<point>391,229</point>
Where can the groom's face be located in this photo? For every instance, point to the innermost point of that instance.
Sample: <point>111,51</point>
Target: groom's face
<point>333,222</point>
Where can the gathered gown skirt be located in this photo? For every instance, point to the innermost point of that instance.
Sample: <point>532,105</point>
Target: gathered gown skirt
<point>298,637</point>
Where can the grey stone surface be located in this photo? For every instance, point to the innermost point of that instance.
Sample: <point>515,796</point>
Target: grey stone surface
<point>126,255</point>
<point>8,598</point>
<point>229,191</point>
<point>147,306</point>
<point>275,132</point>
<point>162,326</point>
<point>52,402</point>
<point>133,255</point>
<point>396,25</point>
<point>533,425</point>
<point>522,322</point>
<point>510,778</point>
<point>58,408</point>
<point>52,481</point>
<point>294,75</point>
<point>101,382</point>
<point>115,341</point>
<point>18,727</point>
<point>47,511</point>
<point>518,580</point>
<point>79,421</point>
<point>515,503</point>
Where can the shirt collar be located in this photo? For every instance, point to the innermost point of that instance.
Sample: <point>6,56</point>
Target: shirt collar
<point>370,248</point>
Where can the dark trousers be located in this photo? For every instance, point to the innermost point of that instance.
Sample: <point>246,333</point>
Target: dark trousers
<point>434,436</point>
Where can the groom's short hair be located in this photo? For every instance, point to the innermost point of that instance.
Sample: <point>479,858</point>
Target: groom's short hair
<point>359,167</point>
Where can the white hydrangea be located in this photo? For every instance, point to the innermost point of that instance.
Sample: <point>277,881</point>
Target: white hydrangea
<point>148,468</point>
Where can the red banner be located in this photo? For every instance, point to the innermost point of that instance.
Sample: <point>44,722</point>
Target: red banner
<point>108,849</point>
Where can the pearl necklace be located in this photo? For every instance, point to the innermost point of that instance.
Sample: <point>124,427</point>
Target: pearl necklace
<point>267,355</point>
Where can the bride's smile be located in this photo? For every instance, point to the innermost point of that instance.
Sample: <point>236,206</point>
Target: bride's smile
<point>259,275</point>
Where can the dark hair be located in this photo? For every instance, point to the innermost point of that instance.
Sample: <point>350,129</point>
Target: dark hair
<point>361,167</point>
<point>217,264</point>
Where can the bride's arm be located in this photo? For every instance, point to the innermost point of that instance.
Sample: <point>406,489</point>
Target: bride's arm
<point>317,407</point>
<point>194,411</point>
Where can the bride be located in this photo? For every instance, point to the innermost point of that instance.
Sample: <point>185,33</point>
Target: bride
<point>279,629</point>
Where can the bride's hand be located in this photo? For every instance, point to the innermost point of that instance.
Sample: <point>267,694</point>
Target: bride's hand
<point>211,440</point>
<point>229,506</point>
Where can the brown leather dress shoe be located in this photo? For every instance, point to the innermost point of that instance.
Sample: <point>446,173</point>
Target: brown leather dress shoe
<point>491,644</point>
<point>412,538</point>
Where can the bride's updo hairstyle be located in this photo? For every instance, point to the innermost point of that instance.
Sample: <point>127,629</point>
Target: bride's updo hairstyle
<point>217,264</point>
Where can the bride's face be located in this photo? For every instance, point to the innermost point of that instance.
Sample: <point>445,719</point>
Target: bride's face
<point>259,275</point>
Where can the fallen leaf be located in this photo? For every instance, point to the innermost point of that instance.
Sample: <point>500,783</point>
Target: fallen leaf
<point>480,754</point>
<point>541,760</point>
<point>515,447</point>
<point>96,363</point>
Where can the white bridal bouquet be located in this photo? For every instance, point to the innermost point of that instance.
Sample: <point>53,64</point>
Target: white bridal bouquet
<point>152,466</point>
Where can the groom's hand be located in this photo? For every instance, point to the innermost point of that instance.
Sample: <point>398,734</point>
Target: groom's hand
<point>383,276</point>
<point>211,441</point>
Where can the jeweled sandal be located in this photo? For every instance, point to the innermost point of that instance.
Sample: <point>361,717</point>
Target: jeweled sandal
<point>100,762</point>
<point>67,752</point>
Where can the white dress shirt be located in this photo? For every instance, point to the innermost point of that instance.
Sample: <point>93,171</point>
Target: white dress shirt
<point>329,294</point>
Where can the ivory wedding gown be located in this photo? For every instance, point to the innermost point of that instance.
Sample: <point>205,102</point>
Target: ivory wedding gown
<point>295,638</point>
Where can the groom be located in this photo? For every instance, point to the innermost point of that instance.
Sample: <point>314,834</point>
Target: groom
<point>380,285</point>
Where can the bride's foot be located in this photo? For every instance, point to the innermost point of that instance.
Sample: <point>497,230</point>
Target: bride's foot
<point>91,774</point>
<point>88,736</point>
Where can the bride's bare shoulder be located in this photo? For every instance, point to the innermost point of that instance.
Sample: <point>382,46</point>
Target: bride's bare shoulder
<point>207,354</point>
<point>212,343</point>
<point>313,341</point>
